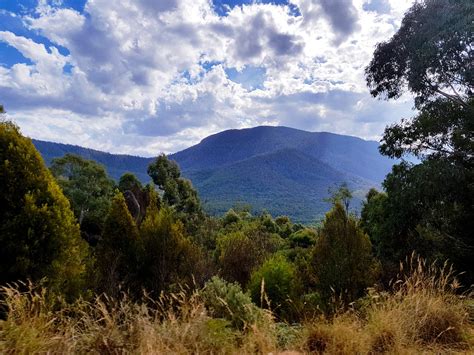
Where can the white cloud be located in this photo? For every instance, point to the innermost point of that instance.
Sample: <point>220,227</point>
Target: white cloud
<point>147,76</point>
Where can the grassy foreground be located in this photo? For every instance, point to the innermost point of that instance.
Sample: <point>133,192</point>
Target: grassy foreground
<point>422,313</point>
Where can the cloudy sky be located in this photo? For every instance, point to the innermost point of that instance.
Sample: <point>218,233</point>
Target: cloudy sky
<point>149,76</point>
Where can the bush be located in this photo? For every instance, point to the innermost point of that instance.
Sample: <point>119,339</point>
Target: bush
<point>230,217</point>
<point>304,238</point>
<point>242,247</point>
<point>226,300</point>
<point>274,285</point>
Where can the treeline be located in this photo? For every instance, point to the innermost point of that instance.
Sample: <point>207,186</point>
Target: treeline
<point>78,234</point>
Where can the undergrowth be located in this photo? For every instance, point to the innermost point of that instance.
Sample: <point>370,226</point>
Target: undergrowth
<point>422,313</point>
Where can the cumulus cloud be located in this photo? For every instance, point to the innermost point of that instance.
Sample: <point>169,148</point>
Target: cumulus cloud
<point>142,76</point>
<point>342,15</point>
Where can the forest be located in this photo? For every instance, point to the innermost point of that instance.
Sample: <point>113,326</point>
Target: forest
<point>91,265</point>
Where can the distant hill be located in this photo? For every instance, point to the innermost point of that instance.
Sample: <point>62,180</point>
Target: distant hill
<point>282,170</point>
<point>116,164</point>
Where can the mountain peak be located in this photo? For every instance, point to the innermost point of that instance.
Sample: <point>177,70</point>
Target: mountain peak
<point>279,169</point>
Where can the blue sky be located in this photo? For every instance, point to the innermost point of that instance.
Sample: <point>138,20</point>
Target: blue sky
<point>145,76</point>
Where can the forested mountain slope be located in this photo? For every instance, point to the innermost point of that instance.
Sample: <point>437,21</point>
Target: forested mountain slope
<point>277,169</point>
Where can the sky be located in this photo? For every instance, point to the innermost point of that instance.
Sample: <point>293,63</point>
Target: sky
<point>148,76</point>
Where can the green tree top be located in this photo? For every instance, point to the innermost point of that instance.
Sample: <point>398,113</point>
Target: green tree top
<point>177,191</point>
<point>430,55</point>
<point>342,256</point>
<point>86,184</point>
<point>117,250</point>
<point>38,231</point>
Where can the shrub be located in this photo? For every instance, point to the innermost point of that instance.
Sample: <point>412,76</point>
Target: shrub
<point>167,255</point>
<point>243,247</point>
<point>230,217</point>
<point>227,300</point>
<point>304,238</point>
<point>274,285</point>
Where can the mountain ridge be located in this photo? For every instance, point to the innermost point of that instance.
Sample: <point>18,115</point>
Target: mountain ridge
<point>278,169</point>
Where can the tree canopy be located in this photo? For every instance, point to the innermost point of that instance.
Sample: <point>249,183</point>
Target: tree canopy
<point>430,55</point>
<point>342,257</point>
<point>177,191</point>
<point>88,188</point>
<point>428,207</point>
<point>38,232</point>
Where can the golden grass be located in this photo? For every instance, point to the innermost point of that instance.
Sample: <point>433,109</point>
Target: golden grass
<point>422,314</point>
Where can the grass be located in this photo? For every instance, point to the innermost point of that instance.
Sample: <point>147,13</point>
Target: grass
<point>422,313</point>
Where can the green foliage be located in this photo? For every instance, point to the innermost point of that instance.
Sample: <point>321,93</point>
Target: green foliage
<point>230,217</point>
<point>341,194</point>
<point>274,285</point>
<point>178,192</point>
<point>136,196</point>
<point>242,247</point>
<point>442,130</point>
<point>167,255</point>
<point>117,250</point>
<point>227,300</point>
<point>431,54</point>
<point>342,257</point>
<point>38,231</point>
<point>303,238</point>
<point>237,257</point>
<point>426,208</point>
<point>88,188</point>
<point>285,226</point>
<point>129,181</point>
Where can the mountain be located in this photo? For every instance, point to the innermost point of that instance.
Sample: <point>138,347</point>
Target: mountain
<point>282,170</point>
<point>116,164</point>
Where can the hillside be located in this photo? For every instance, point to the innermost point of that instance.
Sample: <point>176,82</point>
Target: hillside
<point>278,169</point>
<point>116,164</point>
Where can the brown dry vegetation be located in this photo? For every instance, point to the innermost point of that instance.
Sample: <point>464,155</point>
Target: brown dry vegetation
<point>422,314</point>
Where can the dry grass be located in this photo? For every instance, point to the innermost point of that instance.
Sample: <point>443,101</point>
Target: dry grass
<point>422,314</point>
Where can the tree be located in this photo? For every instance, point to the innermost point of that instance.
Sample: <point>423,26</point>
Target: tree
<point>117,250</point>
<point>428,206</point>
<point>38,231</point>
<point>167,255</point>
<point>430,55</point>
<point>177,191</point>
<point>342,258</point>
<point>136,196</point>
<point>341,194</point>
<point>88,188</point>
